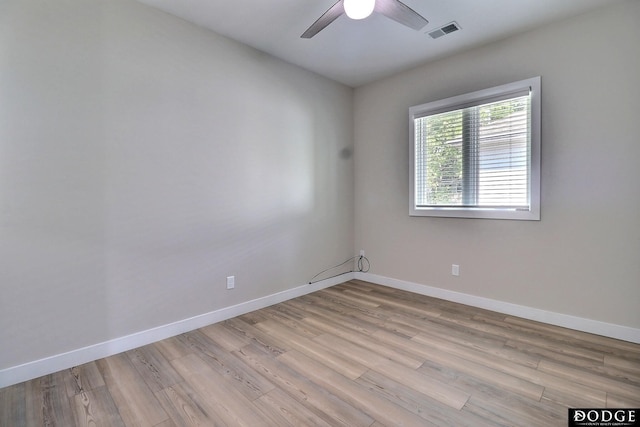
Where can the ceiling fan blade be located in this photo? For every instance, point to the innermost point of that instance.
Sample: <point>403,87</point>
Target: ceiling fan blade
<point>401,13</point>
<point>327,18</point>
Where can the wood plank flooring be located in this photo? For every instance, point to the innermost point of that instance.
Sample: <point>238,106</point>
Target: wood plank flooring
<point>356,354</point>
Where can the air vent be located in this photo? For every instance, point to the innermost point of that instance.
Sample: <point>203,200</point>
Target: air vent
<point>444,30</point>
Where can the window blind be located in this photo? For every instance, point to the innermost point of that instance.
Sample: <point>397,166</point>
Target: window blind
<point>475,157</point>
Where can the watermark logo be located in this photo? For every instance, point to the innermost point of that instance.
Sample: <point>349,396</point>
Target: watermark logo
<point>610,417</point>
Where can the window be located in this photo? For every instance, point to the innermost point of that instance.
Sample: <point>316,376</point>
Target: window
<point>478,155</point>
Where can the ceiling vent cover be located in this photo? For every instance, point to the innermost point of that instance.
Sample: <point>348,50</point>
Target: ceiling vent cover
<point>444,30</point>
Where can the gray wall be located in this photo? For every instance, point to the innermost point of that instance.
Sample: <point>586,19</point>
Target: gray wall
<point>583,258</point>
<point>144,159</point>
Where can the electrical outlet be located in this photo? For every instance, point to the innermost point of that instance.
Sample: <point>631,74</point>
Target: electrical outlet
<point>455,270</point>
<point>231,282</point>
<point>361,252</point>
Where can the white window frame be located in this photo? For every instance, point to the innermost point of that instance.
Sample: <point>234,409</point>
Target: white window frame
<point>468,100</point>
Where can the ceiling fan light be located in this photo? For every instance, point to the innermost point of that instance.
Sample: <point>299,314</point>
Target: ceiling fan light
<point>359,9</point>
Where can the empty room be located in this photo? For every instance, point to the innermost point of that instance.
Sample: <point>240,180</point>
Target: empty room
<point>287,213</point>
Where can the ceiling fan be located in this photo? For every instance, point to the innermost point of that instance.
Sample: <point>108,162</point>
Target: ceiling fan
<point>360,9</point>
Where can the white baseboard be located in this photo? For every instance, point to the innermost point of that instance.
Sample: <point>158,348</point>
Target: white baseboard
<point>58,362</point>
<point>55,363</point>
<point>572,322</point>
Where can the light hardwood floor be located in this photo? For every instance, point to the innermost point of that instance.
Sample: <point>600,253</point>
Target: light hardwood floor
<point>356,354</point>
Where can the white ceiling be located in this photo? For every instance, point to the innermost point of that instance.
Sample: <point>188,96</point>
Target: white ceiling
<point>358,52</point>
